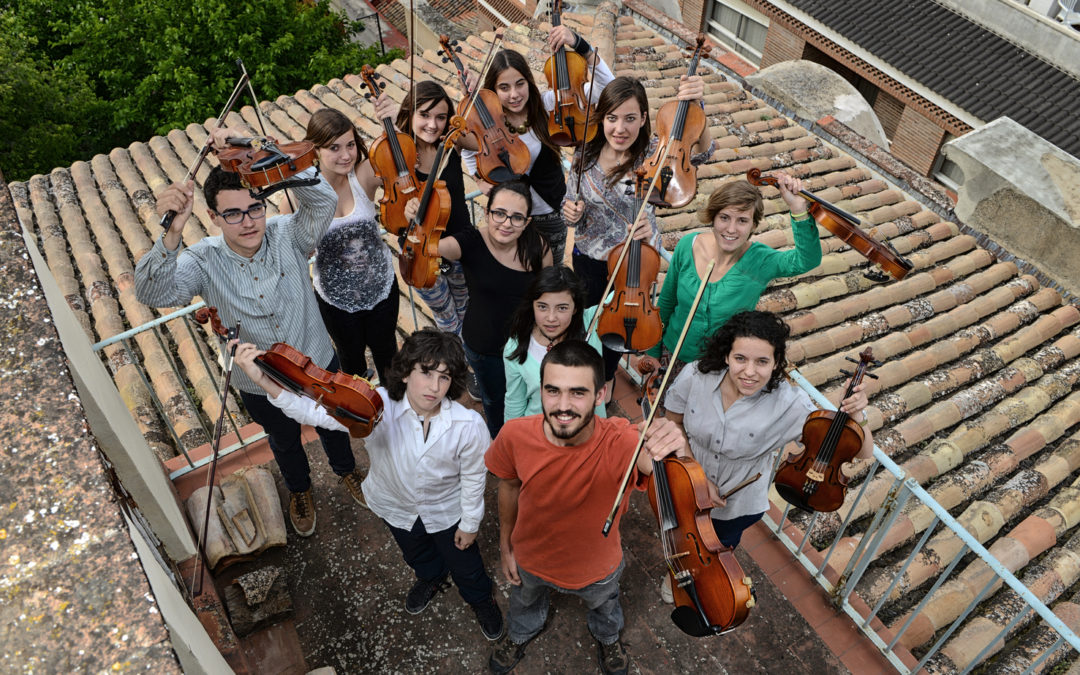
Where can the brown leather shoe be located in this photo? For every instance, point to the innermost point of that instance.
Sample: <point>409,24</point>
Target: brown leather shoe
<point>302,512</point>
<point>352,486</point>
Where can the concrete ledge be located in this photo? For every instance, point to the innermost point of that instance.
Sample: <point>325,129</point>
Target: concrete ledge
<point>1024,192</point>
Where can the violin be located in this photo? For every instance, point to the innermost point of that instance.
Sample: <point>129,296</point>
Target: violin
<point>392,157</point>
<point>846,227</point>
<point>419,258</point>
<point>630,322</point>
<point>502,156</point>
<point>679,125</point>
<point>266,167</point>
<point>712,593</point>
<point>813,481</point>
<point>565,73</point>
<point>350,399</point>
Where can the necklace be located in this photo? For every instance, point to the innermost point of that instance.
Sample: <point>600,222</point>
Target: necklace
<point>516,129</point>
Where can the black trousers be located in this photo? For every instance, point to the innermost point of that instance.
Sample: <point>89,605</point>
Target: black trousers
<point>354,332</point>
<point>284,433</point>
<point>594,275</point>
<point>432,554</point>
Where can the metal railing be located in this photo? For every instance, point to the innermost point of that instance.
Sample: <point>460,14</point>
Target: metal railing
<point>901,490</point>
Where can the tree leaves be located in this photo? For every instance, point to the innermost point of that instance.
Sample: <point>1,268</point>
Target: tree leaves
<point>85,76</point>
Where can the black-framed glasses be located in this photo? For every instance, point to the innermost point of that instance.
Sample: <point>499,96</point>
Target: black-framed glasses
<point>499,216</point>
<point>236,216</point>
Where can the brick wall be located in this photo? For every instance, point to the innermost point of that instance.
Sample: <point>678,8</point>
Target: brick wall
<point>889,111</point>
<point>917,141</point>
<point>691,13</point>
<point>781,45</point>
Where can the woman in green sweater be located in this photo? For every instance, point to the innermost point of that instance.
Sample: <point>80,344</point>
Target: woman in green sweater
<point>742,269</point>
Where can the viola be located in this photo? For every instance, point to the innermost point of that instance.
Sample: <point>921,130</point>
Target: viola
<point>392,157</point>
<point>712,593</point>
<point>630,322</point>
<point>349,399</point>
<point>419,259</point>
<point>846,227</point>
<point>502,155</point>
<point>565,72</point>
<point>813,480</point>
<point>678,125</point>
<point>266,167</point>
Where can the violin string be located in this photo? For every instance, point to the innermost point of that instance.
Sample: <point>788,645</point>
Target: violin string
<point>588,110</point>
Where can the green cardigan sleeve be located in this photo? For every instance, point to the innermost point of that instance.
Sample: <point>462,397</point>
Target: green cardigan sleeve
<point>669,292</point>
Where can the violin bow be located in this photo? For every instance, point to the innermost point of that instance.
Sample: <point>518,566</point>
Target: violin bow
<point>625,246</point>
<point>166,220</point>
<point>652,409</point>
<point>196,579</point>
<point>259,116</point>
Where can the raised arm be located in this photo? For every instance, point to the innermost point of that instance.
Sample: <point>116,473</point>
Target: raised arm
<point>162,278</point>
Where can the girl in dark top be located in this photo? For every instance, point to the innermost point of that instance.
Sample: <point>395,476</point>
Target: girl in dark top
<point>500,261</point>
<point>525,110</point>
<point>427,121</point>
<point>354,278</point>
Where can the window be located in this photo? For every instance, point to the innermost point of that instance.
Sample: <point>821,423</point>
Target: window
<point>738,27</point>
<point>946,172</point>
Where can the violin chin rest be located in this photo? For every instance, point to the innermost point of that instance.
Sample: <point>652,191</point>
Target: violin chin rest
<point>614,342</point>
<point>689,622</point>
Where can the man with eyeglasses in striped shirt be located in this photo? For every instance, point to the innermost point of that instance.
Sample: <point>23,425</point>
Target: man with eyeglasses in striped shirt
<point>256,272</point>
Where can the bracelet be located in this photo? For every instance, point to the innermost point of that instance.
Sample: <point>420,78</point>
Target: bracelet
<point>865,419</point>
<point>800,216</point>
<point>581,46</point>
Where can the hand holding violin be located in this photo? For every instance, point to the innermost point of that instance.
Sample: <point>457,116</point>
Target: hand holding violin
<point>412,208</point>
<point>560,36</point>
<point>662,438</point>
<point>178,198</point>
<point>789,189</point>
<point>246,353</point>
<point>691,88</point>
<point>385,107</point>
<point>855,404</point>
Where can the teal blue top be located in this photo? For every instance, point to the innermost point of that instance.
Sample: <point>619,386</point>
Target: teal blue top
<point>737,291</point>
<point>523,379</point>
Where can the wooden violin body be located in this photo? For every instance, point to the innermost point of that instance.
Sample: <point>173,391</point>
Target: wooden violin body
<point>678,124</point>
<point>501,156</point>
<point>266,167</point>
<point>846,227</point>
<point>392,157</point>
<point>813,480</point>
<point>566,73</point>
<point>349,399</point>
<point>419,259</point>
<point>712,592</point>
<point>631,321</point>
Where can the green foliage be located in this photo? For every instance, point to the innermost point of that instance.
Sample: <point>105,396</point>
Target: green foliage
<point>88,75</point>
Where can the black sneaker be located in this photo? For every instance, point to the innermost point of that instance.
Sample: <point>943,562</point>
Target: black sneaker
<point>613,658</point>
<point>473,386</point>
<point>507,653</point>
<point>490,618</point>
<point>422,592</point>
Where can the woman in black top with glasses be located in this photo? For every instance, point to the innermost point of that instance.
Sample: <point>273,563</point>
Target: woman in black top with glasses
<point>500,260</point>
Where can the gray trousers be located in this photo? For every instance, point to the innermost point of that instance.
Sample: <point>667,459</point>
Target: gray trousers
<point>552,228</point>
<point>529,606</point>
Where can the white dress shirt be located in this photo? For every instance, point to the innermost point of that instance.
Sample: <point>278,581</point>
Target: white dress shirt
<point>440,479</point>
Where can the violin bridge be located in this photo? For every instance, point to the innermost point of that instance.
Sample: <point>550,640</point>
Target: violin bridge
<point>632,304</point>
<point>815,475</point>
<point>678,555</point>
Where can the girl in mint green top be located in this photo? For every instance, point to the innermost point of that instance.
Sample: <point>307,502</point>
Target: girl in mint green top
<point>742,270</point>
<point>552,310</point>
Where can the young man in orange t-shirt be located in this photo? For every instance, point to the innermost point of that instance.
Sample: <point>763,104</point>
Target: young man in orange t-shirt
<point>560,472</point>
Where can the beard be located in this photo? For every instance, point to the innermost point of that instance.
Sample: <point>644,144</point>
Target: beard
<point>566,432</point>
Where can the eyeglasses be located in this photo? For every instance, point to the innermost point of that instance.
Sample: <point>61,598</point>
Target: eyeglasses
<point>499,216</point>
<point>236,216</point>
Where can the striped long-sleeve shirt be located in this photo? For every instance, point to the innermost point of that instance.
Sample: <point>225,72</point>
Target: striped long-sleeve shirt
<point>270,294</point>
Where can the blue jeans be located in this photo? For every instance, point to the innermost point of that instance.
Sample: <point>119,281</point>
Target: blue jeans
<point>448,299</point>
<point>529,606</point>
<point>284,433</point>
<point>491,373</point>
<point>432,554</point>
